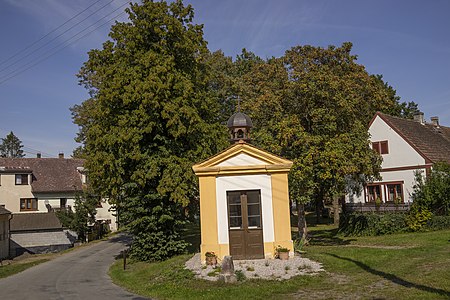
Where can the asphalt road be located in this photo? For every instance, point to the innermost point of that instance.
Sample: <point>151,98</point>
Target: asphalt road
<point>80,274</point>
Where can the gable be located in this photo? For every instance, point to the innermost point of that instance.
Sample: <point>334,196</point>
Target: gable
<point>242,158</point>
<point>400,152</point>
<point>430,141</point>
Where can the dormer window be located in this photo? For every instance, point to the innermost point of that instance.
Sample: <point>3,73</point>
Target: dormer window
<point>381,147</point>
<point>21,179</point>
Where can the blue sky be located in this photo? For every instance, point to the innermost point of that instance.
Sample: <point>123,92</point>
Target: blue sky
<point>408,42</point>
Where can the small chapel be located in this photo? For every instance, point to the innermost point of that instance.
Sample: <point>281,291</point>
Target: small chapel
<point>244,198</point>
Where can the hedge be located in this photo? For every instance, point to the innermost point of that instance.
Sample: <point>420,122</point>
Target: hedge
<point>369,224</point>
<point>372,224</point>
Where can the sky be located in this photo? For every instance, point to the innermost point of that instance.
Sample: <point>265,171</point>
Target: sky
<point>44,43</point>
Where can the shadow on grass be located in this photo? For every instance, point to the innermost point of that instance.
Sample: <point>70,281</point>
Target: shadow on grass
<point>191,234</point>
<point>327,237</point>
<point>393,278</point>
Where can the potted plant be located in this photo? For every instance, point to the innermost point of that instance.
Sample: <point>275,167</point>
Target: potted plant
<point>211,258</point>
<point>282,252</point>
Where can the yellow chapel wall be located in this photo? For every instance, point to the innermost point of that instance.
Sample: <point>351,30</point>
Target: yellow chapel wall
<point>208,216</point>
<point>281,215</point>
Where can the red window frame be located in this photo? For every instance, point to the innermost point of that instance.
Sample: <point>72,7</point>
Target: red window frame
<point>371,193</point>
<point>397,189</point>
<point>381,147</point>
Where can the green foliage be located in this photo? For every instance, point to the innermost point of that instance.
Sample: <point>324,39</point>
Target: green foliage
<point>438,223</point>
<point>240,276</point>
<point>418,218</point>
<point>360,224</point>
<point>152,115</point>
<point>300,243</point>
<point>400,109</point>
<point>85,210</point>
<point>11,146</point>
<point>65,217</point>
<point>156,235</point>
<point>433,193</point>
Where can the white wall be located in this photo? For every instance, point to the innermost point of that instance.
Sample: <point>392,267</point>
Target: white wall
<point>53,199</point>
<point>105,213</point>
<point>244,182</point>
<point>242,159</point>
<point>401,154</point>
<point>10,193</point>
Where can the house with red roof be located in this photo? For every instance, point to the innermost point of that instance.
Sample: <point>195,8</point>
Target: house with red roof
<point>31,188</point>
<point>407,147</point>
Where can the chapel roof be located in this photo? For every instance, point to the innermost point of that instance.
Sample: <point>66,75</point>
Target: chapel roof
<point>239,120</point>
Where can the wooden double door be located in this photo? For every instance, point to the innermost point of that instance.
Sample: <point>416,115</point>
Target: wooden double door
<point>245,224</point>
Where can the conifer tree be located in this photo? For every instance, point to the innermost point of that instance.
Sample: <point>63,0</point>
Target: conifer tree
<point>11,146</point>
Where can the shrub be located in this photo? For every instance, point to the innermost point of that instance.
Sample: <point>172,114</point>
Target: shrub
<point>432,192</point>
<point>359,224</point>
<point>418,218</point>
<point>438,223</point>
<point>240,276</point>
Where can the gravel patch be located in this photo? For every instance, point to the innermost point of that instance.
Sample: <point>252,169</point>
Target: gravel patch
<point>269,269</point>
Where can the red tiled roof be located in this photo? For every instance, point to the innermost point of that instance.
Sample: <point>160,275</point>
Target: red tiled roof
<point>432,142</point>
<point>49,174</point>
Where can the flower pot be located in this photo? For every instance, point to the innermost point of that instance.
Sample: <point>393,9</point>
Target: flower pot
<point>211,260</point>
<point>283,255</point>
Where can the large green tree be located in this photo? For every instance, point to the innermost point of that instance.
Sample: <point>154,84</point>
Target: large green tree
<point>11,146</point>
<point>150,117</point>
<point>312,106</point>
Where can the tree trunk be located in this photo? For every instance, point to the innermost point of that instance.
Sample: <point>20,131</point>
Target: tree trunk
<point>302,229</point>
<point>317,211</point>
<point>336,209</point>
<point>319,207</point>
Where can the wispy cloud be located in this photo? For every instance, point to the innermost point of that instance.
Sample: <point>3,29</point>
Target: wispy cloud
<point>51,14</point>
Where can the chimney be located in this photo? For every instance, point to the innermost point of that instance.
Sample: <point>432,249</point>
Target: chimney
<point>435,121</point>
<point>38,155</point>
<point>61,155</point>
<point>418,117</point>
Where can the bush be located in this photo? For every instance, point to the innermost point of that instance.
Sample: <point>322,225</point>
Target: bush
<point>438,223</point>
<point>418,218</point>
<point>359,224</point>
<point>432,193</point>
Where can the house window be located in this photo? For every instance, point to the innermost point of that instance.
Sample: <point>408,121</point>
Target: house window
<point>21,179</point>
<point>28,204</point>
<point>374,192</point>
<point>381,147</point>
<point>62,202</point>
<point>395,192</point>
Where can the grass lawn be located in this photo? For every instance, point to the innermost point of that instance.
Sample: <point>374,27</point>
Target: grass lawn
<point>402,266</point>
<point>11,269</point>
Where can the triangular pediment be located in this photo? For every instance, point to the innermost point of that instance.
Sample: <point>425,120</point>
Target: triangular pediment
<point>242,157</point>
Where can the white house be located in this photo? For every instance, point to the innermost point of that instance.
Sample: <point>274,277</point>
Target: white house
<point>406,146</point>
